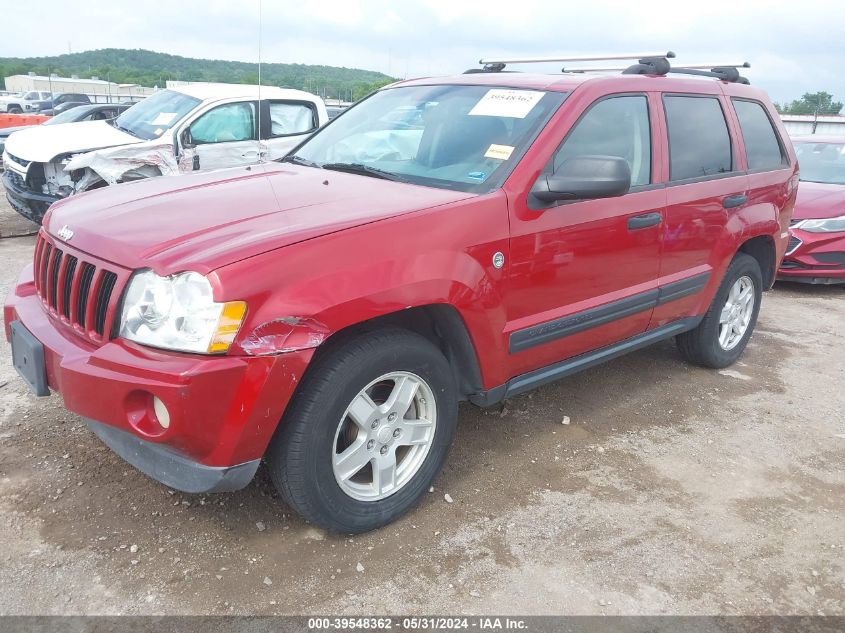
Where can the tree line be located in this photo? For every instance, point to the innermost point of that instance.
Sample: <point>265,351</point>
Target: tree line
<point>149,68</point>
<point>814,103</point>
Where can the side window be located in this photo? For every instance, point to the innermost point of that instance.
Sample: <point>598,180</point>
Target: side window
<point>224,124</point>
<point>762,148</point>
<point>618,126</point>
<point>102,115</point>
<point>291,118</point>
<point>699,141</point>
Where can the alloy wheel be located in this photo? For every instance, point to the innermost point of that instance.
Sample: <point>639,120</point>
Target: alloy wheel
<point>384,436</point>
<point>736,313</point>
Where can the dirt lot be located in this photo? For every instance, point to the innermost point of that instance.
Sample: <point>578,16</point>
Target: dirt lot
<point>673,490</point>
<point>13,224</point>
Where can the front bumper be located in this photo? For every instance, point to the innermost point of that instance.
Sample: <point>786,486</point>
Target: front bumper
<point>171,468</point>
<point>223,410</point>
<point>30,204</point>
<point>814,258</point>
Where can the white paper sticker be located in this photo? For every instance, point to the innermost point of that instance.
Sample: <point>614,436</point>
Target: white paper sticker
<point>501,152</point>
<point>163,118</point>
<point>515,104</point>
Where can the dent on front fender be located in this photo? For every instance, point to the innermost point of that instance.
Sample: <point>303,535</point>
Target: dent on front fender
<point>285,334</point>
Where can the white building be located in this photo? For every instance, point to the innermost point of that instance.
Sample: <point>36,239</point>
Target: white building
<point>804,124</point>
<point>98,90</point>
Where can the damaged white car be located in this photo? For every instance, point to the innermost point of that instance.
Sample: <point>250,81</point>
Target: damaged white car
<point>174,131</point>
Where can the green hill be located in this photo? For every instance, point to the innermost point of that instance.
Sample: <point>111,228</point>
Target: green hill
<point>149,68</point>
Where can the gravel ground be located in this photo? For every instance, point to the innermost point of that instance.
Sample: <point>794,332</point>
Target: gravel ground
<point>12,224</point>
<point>673,490</point>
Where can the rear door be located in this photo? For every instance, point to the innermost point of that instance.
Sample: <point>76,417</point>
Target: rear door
<point>584,274</point>
<point>770,188</point>
<point>284,124</point>
<point>706,188</point>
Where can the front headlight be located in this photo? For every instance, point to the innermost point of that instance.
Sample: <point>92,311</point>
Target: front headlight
<point>829,225</point>
<point>178,313</point>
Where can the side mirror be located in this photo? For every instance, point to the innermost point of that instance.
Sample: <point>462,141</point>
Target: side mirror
<point>186,140</point>
<point>585,178</point>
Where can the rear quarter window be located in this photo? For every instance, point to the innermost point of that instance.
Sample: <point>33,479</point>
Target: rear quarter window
<point>763,150</point>
<point>699,141</point>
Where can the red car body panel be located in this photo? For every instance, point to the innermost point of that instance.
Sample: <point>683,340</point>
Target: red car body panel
<point>818,200</point>
<point>817,257</point>
<point>326,250</point>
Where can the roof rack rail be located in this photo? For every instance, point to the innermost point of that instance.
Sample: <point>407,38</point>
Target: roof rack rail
<point>724,72</point>
<point>647,64</point>
<point>495,65</point>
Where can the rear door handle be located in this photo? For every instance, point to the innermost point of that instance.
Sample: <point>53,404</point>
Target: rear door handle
<point>644,221</point>
<point>737,200</point>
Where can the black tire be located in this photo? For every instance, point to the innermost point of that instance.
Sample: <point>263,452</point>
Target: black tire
<point>14,110</point>
<point>300,455</point>
<point>701,345</point>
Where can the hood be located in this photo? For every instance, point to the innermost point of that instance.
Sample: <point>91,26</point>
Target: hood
<point>6,131</point>
<point>204,221</point>
<point>818,200</point>
<point>42,143</point>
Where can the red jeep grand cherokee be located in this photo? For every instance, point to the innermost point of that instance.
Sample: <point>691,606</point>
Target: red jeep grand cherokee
<point>471,237</point>
<point>816,250</point>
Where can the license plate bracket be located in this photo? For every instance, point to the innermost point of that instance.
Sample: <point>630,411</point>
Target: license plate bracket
<point>28,359</point>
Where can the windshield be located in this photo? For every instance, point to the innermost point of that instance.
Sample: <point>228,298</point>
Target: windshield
<point>822,162</point>
<point>458,137</point>
<point>157,113</point>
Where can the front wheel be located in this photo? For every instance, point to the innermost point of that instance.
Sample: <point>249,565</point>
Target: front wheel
<point>722,335</point>
<point>367,432</point>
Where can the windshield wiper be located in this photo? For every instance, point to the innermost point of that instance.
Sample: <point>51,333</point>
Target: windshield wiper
<point>298,160</point>
<point>364,170</point>
<point>121,128</point>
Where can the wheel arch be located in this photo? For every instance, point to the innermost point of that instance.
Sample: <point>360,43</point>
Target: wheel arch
<point>762,248</point>
<point>440,323</point>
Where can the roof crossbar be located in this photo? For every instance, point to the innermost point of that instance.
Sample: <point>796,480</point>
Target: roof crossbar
<point>498,64</point>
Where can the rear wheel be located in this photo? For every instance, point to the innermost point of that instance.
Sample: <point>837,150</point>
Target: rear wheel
<point>14,109</point>
<point>367,432</point>
<point>723,334</point>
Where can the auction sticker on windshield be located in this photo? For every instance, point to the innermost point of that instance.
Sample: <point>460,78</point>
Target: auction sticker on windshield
<point>502,152</point>
<point>515,104</point>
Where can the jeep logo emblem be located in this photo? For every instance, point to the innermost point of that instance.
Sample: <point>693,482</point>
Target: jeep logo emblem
<point>65,233</point>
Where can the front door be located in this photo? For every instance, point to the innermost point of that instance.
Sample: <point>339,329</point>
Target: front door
<point>584,273</point>
<point>225,136</point>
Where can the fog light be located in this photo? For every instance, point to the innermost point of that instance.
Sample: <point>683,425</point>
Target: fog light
<point>161,412</point>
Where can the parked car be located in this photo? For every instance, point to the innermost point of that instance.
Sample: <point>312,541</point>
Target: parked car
<point>816,251</point>
<point>327,312</point>
<point>333,111</point>
<point>97,112</point>
<point>22,101</point>
<point>175,131</point>
<point>61,102</point>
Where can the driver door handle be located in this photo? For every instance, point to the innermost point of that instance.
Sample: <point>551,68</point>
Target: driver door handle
<point>644,221</point>
<point>736,200</point>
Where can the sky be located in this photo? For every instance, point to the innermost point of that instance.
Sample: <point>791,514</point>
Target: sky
<point>793,47</point>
